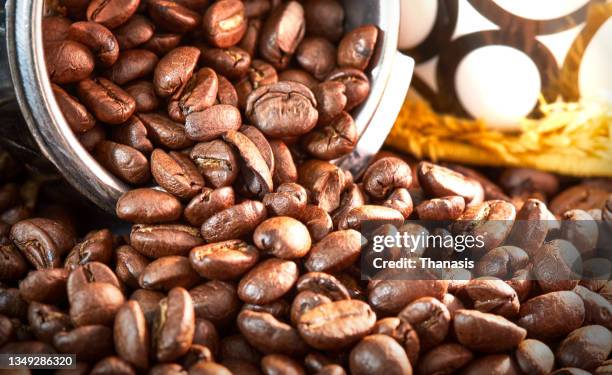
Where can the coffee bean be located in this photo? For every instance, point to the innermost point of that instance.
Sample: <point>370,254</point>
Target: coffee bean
<point>439,181</point>
<point>392,295</point>
<point>46,320</point>
<point>282,33</point>
<point>133,133</point>
<point>299,76</point>
<point>12,264</point>
<point>523,180</point>
<point>111,13</point>
<point>223,260</point>
<point>76,115</point>
<point>97,246</point>
<point>493,296</point>
<point>578,227</point>
<point>585,348</point>
<point>304,301</point>
<point>132,64</point>
<point>317,56</point>
<point>254,169</point>
<point>259,287</point>
<point>12,304</point>
<point>596,308</point>
<point>167,369</point>
<point>297,117</point>
<point>112,365</point>
<point>217,162</point>
<point>176,173</point>
<point>386,174</point>
<point>233,222</point>
<point>174,326</point>
<point>317,220</point>
<point>258,327</point>
<point>334,140</point>
<point>331,100</point>
<point>167,273</point>
<point>124,161</point>
<point>42,241</point>
<point>231,62</point>
<point>274,364</point>
<point>207,203</point>
<point>357,47</point>
<point>212,122</point>
<point>89,343</point>
<point>288,200</point>
<point>216,301</point>
<point>174,69</point>
<point>148,206</point>
<point>502,262</point>
<point>135,32</point>
<point>535,357</point>
<point>335,252</point>
<point>131,335</point>
<point>552,315</point>
<point>324,180</point>
<point>93,272</point>
<point>173,16</point>
<point>493,364</point>
<point>356,217</point>
<point>209,368</point>
<point>564,258</point>
<point>531,226</point>
<point>285,169</point>
<point>227,92</point>
<point>224,23</point>
<point>491,220</point>
<point>206,335</point>
<point>251,37</point>
<point>503,334</point>
<point>336,325</point>
<point>430,319</point>
<point>129,265</point>
<point>95,303</point>
<point>108,102</point>
<point>157,241</point>
<point>55,28</point>
<point>582,197</point>
<point>283,237</point>
<point>164,132</point>
<point>68,61</point>
<point>441,209</point>
<point>6,330</point>
<point>379,354</point>
<point>445,359</point>
<point>324,18</point>
<point>356,83</point>
<point>162,43</point>
<point>91,138</point>
<point>148,300</point>
<point>98,39</point>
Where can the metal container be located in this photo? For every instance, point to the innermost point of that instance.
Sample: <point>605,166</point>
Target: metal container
<point>32,126</point>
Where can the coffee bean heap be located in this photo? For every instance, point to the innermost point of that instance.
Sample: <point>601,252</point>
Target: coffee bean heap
<point>160,91</point>
<point>229,285</point>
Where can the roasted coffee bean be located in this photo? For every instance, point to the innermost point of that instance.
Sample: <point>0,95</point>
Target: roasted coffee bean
<point>97,246</point>
<point>299,76</point>
<point>143,93</point>
<point>284,166</point>
<point>12,263</point>
<point>596,308</point>
<point>164,132</point>
<point>276,364</point>
<point>323,283</point>
<point>234,222</point>
<point>148,300</point>
<point>112,365</point>
<point>232,62</point>
<point>337,325</point>
<point>552,315</point>
<point>493,296</point>
<point>324,180</point>
<point>98,39</point>
<point>196,354</point>
<point>55,28</point>
<point>251,37</point>
<point>502,334</point>
<point>304,301</point>
<point>402,332</point>
<point>531,226</point>
<point>162,43</point>
<point>390,294</point>
<point>223,260</point>
<point>197,5</point>
<point>132,64</point>
<point>68,61</point>
<point>216,301</point>
<point>174,326</point>
<point>581,197</point>
<point>502,262</point>
<point>334,140</point>
<point>297,117</point>
<point>206,335</point>
<point>282,33</point>
<point>259,327</point>
<point>167,369</point>
<point>357,47</point>
<point>200,92</point>
<point>174,70</point>
<point>335,252</point>
<point>94,272</point>
<point>254,169</point>
<point>324,18</point>
<point>386,174</point>
<point>148,206</point>
<point>331,100</point>
<point>135,32</point>
<point>6,330</point>
<point>400,200</point>
<point>441,209</point>
<point>268,281</point>
<point>91,138</point>
<point>76,115</point>
<point>288,200</point>
<point>438,181</point>
<point>111,13</point>
<point>157,241</point>
<point>317,56</point>
<point>262,144</point>
<point>42,241</point>
<point>317,220</point>
<point>557,265</point>
<point>129,265</point>
<point>356,83</point>
<point>89,343</point>
<point>493,364</point>
<point>430,319</point>
<point>107,101</point>
<point>227,92</point>
<point>351,198</point>
<point>585,348</point>
<point>131,335</point>
<point>224,23</point>
<point>217,162</point>
<point>133,133</point>
<point>379,354</point>
<point>46,320</point>
<point>491,221</point>
<point>355,218</point>
<point>207,203</point>
<point>518,181</point>
<point>579,228</point>
<point>12,304</point>
<point>279,309</point>
<point>167,273</point>
<point>212,122</point>
<point>95,303</point>
<point>173,16</point>
<point>176,173</point>
<point>282,237</point>
<point>534,357</point>
<point>445,359</point>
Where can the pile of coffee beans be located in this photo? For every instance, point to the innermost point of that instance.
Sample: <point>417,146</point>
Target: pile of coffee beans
<point>160,91</point>
<point>223,284</point>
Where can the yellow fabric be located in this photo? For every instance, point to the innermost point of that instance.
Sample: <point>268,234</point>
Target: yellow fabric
<point>571,138</point>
